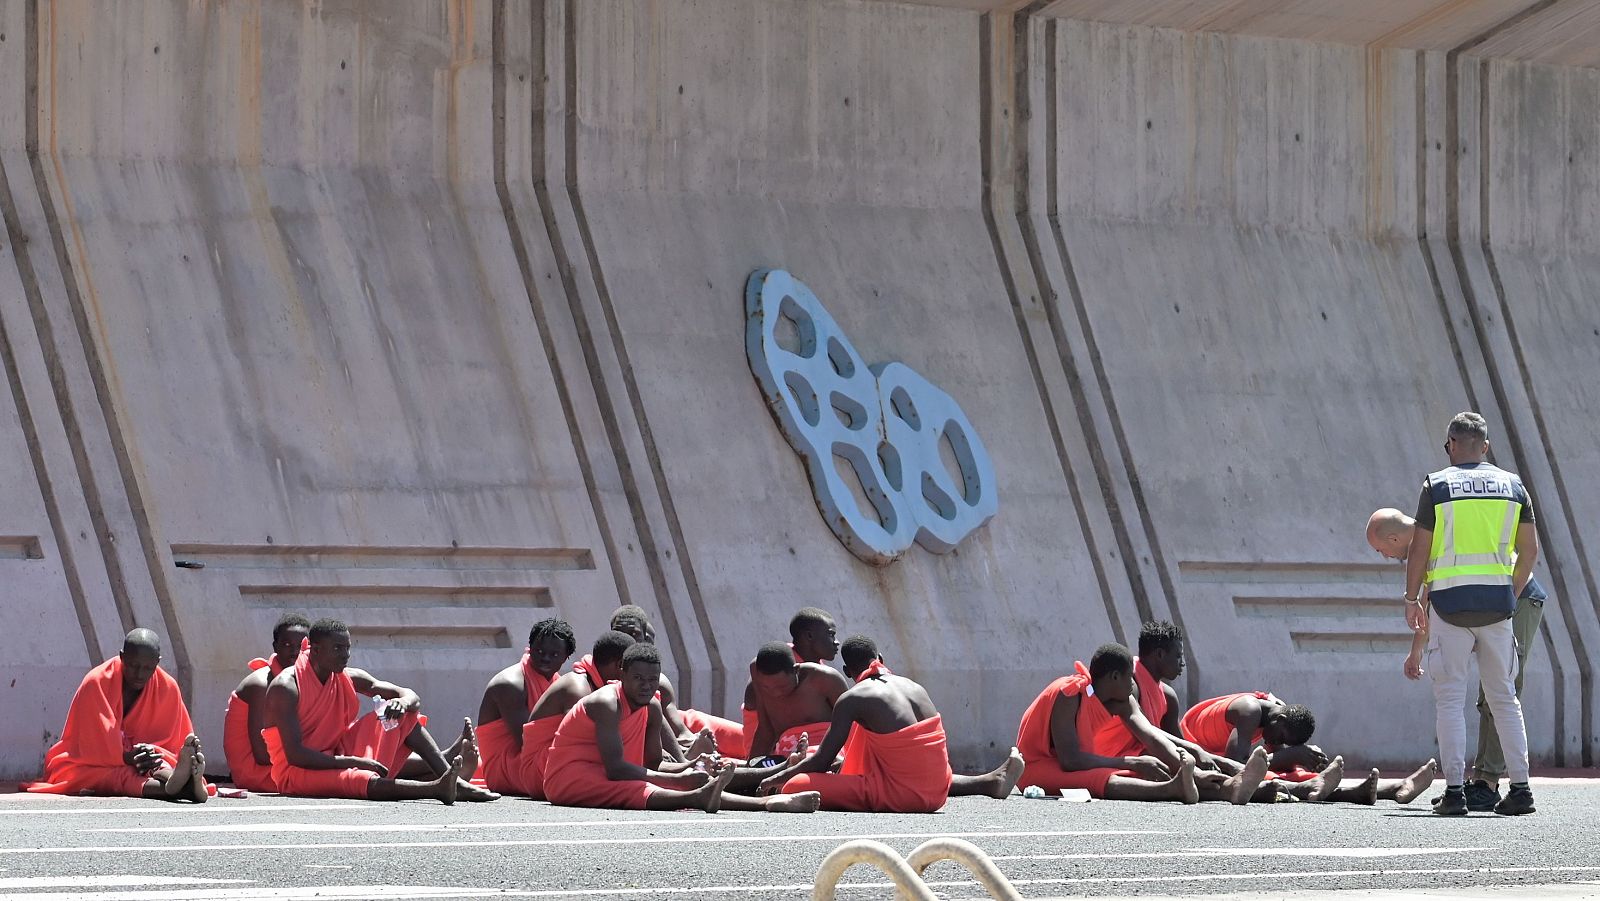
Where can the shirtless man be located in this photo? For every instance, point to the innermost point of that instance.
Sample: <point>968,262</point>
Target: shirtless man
<point>1087,731</point>
<point>601,666</point>
<point>607,753</point>
<point>511,694</point>
<point>249,765</point>
<point>729,736</point>
<point>128,733</point>
<point>896,758</point>
<point>794,702</point>
<point>814,638</point>
<point>320,748</point>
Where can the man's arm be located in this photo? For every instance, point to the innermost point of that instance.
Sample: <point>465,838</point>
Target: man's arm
<point>1069,750</point>
<point>845,713</point>
<point>282,703</point>
<point>1416,571</point>
<point>608,737</point>
<point>833,685</point>
<point>509,703</point>
<point>402,700</point>
<point>765,741</point>
<point>252,692</point>
<point>1527,554</point>
<point>1156,743</point>
<point>1244,715</point>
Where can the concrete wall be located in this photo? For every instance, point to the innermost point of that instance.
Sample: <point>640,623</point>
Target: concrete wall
<point>428,315</point>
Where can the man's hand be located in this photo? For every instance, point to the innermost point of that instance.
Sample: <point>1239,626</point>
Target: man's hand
<point>1204,761</point>
<point>144,758</point>
<point>1309,757</point>
<point>1149,768</point>
<point>393,710</point>
<point>1416,616</point>
<point>365,763</point>
<point>1413,668</point>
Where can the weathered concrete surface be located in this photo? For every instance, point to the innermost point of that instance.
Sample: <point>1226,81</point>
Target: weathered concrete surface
<point>429,315</point>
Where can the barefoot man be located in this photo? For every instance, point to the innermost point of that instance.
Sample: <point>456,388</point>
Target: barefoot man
<point>510,695</point>
<point>814,638</point>
<point>794,702</point>
<point>896,759</point>
<point>683,726</point>
<point>607,753</point>
<point>249,765</point>
<point>1086,731</point>
<point>321,748</point>
<point>128,733</point>
<point>602,665</point>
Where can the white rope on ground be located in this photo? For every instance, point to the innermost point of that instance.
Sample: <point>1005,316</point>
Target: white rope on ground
<point>907,872</point>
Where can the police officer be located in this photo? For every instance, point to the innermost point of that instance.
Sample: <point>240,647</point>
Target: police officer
<point>1473,545</point>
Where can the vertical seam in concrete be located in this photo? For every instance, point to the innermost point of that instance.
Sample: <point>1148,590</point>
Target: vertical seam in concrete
<point>991,223</point>
<point>108,410</point>
<point>30,430</point>
<point>635,401</point>
<point>1458,258</point>
<point>1574,534</point>
<point>541,319</point>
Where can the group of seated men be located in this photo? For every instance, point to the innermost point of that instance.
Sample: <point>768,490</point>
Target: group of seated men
<point>610,733</point>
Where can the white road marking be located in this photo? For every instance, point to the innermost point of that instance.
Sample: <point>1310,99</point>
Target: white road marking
<point>185,809</point>
<point>361,892</point>
<point>415,827</point>
<point>106,881</point>
<point>653,840</point>
<point>1247,852</point>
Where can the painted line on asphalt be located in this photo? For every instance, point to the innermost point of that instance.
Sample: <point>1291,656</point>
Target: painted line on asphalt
<point>563,842</point>
<point>362,892</point>
<point>185,809</point>
<point>415,827</point>
<point>1248,852</point>
<point>106,881</point>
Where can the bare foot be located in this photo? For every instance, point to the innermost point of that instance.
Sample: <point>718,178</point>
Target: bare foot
<point>1188,791</point>
<point>449,782</point>
<point>183,770</point>
<point>466,791</point>
<point>704,743</point>
<point>714,787</point>
<point>1417,783</point>
<point>467,748</point>
<point>196,789</point>
<point>800,748</point>
<point>801,802</point>
<point>1007,775</point>
<point>1243,786</point>
<point>1330,780</point>
<point>1367,791</point>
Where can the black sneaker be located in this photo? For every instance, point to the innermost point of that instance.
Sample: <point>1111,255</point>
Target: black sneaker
<point>1518,801</point>
<point>1451,805</point>
<point>1481,796</point>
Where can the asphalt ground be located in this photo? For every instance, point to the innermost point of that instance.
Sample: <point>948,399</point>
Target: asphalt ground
<point>99,849</point>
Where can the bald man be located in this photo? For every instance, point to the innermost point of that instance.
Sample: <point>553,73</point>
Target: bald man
<point>128,733</point>
<point>1389,532</point>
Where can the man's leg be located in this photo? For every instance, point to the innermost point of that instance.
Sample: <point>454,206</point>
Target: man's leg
<point>997,783</point>
<point>1490,764</point>
<point>1497,665</point>
<point>442,788</point>
<point>1450,651</point>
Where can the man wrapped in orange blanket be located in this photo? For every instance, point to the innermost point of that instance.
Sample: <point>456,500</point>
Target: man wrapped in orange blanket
<point>684,727</point>
<point>895,755</point>
<point>607,753</point>
<point>320,748</point>
<point>510,695</point>
<point>128,733</point>
<point>601,666</point>
<point>249,764</point>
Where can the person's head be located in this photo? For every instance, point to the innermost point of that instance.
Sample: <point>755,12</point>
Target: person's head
<point>1290,725</point>
<point>634,621</point>
<point>550,644</point>
<point>1161,649</point>
<point>287,636</point>
<point>141,655</point>
<point>641,673</point>
<point>1111,671</point>
<point>1389,533</point>
<point>1467,439</point>
<point>774,672</point>
<point>814,634</point>
<point>330,646</point>
<point>859,652</point>
<point>607,653</point>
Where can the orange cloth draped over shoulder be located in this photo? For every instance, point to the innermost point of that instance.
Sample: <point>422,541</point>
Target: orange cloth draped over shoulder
<point>500,761</point>
<point>905,771</point>
<point>537,736</point>
<point>575,776</point>
<point>246,772</point>
<point>1206,723</point>
<point>731,741</point>
<point>1152,697</point>
<point>1099,732</point>
<point>328,724</point>
<point>88,758</point>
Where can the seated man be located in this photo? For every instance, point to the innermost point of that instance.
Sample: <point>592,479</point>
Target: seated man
<point>248,762</point>
<point>895,754</point>
<point>597,668</point>
<point>320,748</point>
<point>794,702</point>
<point>607,753</point>
<point>1087,731</point>
<point>814,638</point>
<point>683,726</point>
<point>128,733</point>
<point>513,691</point>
